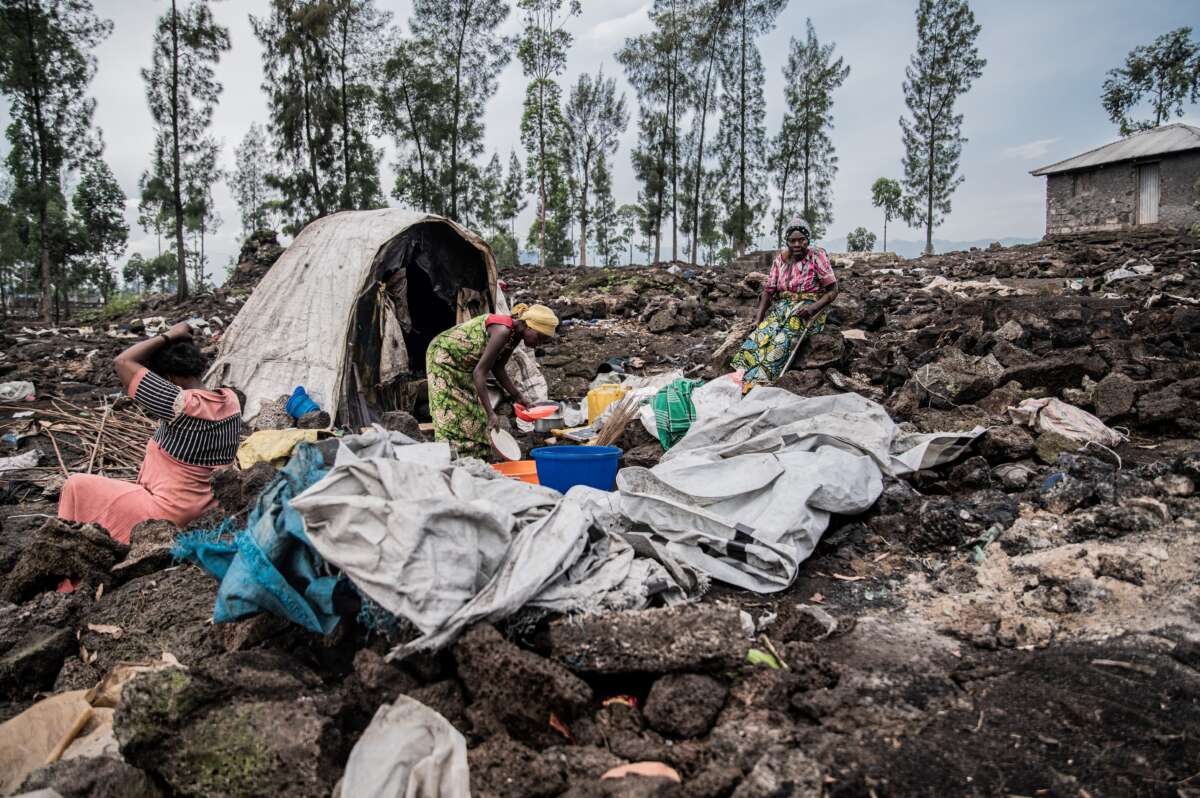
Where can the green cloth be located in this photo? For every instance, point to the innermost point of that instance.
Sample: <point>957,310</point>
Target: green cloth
<point>674,411</point>
<point>450,362</point>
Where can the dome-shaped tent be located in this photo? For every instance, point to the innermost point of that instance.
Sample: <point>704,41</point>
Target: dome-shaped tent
<point>349,309</point>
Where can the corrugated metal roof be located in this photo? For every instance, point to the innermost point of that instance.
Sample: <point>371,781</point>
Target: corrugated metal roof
<point>1159,141</point>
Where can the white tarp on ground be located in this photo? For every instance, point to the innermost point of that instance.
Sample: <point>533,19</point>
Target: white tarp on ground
<point>743,498</point>
<point>445,546</point>
<point>293,329</point>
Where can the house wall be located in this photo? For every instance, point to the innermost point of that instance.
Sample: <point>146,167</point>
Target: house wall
<point>1176,205</point>
<point>1105,198</point>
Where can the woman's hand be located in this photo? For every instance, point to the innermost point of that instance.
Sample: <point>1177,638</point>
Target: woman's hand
<point>179,332</point>
<point>804,313</point>
<point>493,422</point>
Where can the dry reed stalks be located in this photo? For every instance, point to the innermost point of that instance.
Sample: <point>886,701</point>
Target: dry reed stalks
<point>623,412</point>
<point>109,441</point>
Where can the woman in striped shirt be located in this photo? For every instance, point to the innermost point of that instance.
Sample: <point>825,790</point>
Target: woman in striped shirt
<point>198,432</point>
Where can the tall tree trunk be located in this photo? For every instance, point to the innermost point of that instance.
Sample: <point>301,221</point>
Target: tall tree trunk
<point>314,175</point>
<point>783,184</point>
<point>673,111</point>
<point>200,267</point>
<point>181,292</point>
<point>744,211</point>
<point>662,186</point>
<point>700,149</point>
<point>39,124</point>
<point>347,191</point>
<point>458,56</point>
<point>885,221</point>
<point>808,214</point>
<point>542,174</point>
<point>929,202</point>
<point>416,137</point>
<point>583,211</point>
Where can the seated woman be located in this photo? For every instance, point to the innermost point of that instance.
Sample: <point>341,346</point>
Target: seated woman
<point>458,362</point>
<point>793,305</point>
<point>198,432</point>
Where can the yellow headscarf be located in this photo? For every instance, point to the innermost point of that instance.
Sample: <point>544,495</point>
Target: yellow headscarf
<point>537,317</point>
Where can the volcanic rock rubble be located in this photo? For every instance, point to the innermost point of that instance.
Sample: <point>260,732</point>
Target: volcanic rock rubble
<point>1025,620</point>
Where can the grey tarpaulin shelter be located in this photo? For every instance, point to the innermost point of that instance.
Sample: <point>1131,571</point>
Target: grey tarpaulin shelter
<point>350,308</point>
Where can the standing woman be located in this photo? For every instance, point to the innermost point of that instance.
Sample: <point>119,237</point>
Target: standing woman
<point>198,431</point>
<point>458,363</point>
<point>794,303</point>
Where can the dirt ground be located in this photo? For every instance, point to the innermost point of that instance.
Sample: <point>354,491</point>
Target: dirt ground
<point>1024,621</point>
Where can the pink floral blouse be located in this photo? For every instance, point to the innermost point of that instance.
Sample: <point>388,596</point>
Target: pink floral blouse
<point>802,277</point>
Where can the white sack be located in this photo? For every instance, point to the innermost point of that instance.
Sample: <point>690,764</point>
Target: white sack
<point>408,751</point>
<point>1055,415</point>
<point>17,391</point>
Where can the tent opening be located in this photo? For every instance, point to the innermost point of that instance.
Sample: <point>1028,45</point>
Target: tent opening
<point>422,282</point>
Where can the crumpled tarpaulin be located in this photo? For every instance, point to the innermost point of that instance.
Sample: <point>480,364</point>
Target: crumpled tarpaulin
<point>745,496</point>
<point>447,546</point>
<point>269,565</point>
<point>408,751</point>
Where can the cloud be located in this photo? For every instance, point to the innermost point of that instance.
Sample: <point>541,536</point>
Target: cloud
<point>636,21</point>
<point>1029,150</point>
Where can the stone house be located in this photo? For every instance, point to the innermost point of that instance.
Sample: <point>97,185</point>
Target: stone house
<point>1148,178</point>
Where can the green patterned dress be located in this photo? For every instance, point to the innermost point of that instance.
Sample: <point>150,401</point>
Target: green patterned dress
<point>450,361</point>
<point>766,351</point>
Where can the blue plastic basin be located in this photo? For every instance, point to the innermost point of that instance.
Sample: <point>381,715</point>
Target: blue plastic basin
<point>564,467</point>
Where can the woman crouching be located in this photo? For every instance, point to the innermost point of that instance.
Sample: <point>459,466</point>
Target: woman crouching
<point>198,432</point>
<point>458,363</point>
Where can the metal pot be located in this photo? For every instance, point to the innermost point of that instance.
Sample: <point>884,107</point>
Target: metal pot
<point>548,424</point>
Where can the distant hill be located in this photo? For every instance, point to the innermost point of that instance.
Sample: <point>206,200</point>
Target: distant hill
<point>913,249</point>
<point>905,249</point>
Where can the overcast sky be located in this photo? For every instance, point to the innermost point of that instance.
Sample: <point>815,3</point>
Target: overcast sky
<point>1037,102</point>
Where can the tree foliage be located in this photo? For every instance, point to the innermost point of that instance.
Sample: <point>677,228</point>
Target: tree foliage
<point>629,219</point>
<point>604,216</point>
<point>46,65</point>
<point>802,154</point>
<point>1165,73</point>
<point>512,194</point>
<point>595,117</point>
<point>942,69</point>
<point>464,55</point>
<point>182,91</point>
<point>321,77</point>
<point>887,194</point>
<point>741,136</point>
<point>200,215</point>
<point>658,67</point>
<point>99,205</point>
<point>250,188</point>
<point>542,51</point>
<point>860,240</point>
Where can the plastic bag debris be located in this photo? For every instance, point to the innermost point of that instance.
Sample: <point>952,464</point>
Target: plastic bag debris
<point>18,391</point>
<point>1055,415</point>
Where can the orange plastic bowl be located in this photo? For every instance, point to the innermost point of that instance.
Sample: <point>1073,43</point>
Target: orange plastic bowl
<point>524,470</point>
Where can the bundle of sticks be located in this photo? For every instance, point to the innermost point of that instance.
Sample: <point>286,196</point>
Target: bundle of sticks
<point>618,418</point>
<point>93,441</point>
